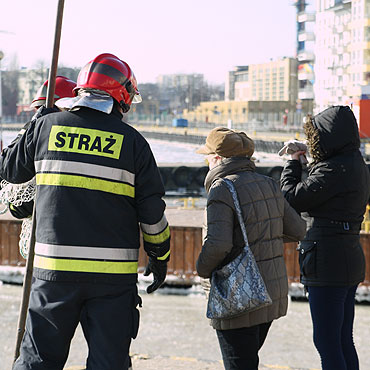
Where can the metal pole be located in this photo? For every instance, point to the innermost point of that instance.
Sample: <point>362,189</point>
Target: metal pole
<point>54,60</point>
<point>31,251</point>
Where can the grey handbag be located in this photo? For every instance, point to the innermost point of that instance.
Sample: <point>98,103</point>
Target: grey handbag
<point>237,287</point>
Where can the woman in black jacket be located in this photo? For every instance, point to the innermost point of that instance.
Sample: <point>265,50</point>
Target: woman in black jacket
<point>332,200</point>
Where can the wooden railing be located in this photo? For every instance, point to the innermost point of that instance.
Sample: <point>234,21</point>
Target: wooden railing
<point>186,243</point>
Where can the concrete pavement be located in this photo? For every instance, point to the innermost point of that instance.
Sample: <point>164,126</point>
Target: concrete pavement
<point>174,334</point>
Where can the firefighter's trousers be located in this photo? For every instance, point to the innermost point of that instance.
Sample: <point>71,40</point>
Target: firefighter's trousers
<point>108,316</point>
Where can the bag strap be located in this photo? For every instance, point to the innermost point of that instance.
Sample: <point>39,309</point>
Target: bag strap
<point>238,209</point>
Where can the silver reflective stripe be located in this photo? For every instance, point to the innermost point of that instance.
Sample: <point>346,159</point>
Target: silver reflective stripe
<point>156,228</point>
<point>48,165</point>
<point>71,251</point>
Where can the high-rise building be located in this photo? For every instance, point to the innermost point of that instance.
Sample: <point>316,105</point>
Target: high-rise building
<point>342,52</point>
<point>305,55</point>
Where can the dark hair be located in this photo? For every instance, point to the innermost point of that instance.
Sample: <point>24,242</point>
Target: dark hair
<point>313,140</point>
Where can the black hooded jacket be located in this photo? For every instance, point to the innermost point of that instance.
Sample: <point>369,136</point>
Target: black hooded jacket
<point>332,200</point>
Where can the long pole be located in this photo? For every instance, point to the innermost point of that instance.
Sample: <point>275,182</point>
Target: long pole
<point>54,59</point>
<point>31,250</point>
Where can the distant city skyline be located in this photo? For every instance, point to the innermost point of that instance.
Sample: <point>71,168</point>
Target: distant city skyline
<point>154,37</point>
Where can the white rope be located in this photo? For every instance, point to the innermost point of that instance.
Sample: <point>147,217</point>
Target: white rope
<point>17,194</point>
<point>25,236</point>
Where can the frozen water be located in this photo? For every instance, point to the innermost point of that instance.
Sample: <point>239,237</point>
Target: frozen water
<point>170,151</point>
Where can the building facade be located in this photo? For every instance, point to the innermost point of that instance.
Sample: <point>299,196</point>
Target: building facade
<point>305,54</point>
<point>262,113</point>
<point>29,81</point>
<point>342,52</point>
<point>181,90</point>
<point>275,81</point>
<point>263,93</point>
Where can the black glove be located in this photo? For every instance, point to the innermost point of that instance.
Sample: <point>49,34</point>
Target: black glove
<point>159,270</point>
<point>23,211</point>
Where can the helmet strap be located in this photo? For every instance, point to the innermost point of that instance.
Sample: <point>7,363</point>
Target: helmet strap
<point>125,107</point>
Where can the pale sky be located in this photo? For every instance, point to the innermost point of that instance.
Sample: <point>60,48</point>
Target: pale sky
<point>153,36</point>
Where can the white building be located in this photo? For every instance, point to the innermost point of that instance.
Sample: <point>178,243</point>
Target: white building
<point>29,82</point>
<point>305,53</point>
<point>342,52</point>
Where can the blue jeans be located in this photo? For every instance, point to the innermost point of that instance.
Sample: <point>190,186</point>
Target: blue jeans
<point>239,347</point>
<point>333,312</point>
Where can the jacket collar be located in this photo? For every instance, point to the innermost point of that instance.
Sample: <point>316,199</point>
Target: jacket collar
<point>228,166</point>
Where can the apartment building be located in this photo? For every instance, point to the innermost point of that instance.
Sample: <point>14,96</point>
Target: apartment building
<point>238,112</point>
<point>29,81</point>
<point>305,54</point>
<point>275,80</point>
<point>262,92</point>
<point>342,52</point>
<point>181,90</point>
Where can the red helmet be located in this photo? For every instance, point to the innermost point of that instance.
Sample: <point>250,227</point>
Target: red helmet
<point>63,89</point>
<point>114,76</point>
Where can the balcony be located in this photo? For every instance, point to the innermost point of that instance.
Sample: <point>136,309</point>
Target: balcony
<point>306,56</point>
<point>306,76</point>
<point>340,5</point>
<point>306,17</point>
<point>338,28</point>
<point>306,36</point>
<point>305,94</point>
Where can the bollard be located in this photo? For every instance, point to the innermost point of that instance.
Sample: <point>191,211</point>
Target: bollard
<point>365,226</point>
<point>186,203</point>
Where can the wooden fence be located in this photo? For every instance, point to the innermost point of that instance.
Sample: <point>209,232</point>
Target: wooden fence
<point>186,243</point>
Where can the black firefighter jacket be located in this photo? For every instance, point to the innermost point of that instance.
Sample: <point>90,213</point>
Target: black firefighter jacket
<point>97,181</point>
<point>332,200</point>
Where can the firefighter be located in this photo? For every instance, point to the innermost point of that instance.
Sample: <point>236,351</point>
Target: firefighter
<point>63,89</point>
<point>97,185</point>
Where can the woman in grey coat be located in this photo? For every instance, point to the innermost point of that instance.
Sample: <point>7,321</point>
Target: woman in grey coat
<point>268,219</point>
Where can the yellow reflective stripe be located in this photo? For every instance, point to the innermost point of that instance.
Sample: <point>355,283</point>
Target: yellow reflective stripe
<point>85,141</point>
<point>158,238</point>
<point>11,207</point>
<point>106,267</point>
<point>164,257</point>
<point>85,183</point>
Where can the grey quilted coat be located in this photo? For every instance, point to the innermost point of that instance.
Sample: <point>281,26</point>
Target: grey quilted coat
<point>268,219</point>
